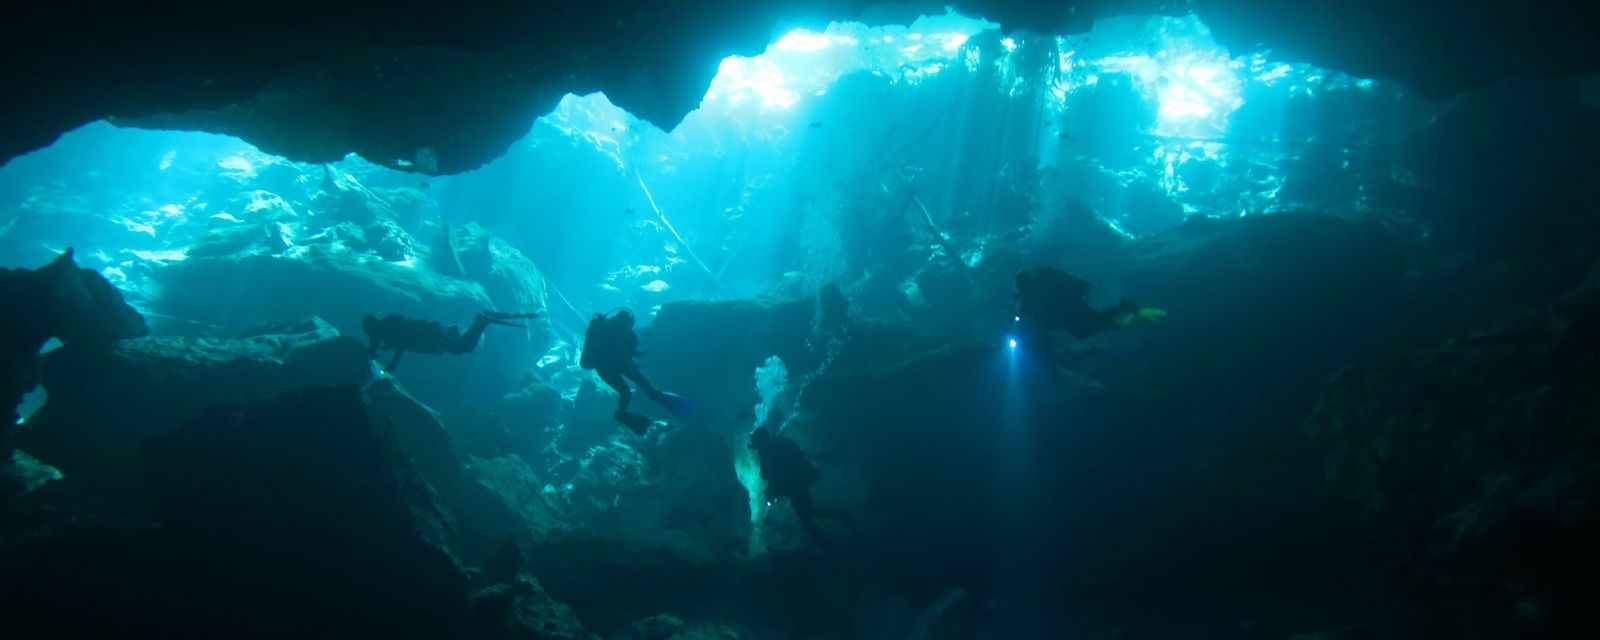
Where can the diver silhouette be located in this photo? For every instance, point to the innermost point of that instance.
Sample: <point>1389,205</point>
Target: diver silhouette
<point>403,334</point>
<point>1049,299</point>
<point>609,347</point>
<point>788,473</point>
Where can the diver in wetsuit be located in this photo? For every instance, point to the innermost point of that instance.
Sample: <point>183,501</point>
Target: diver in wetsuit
<point>1049,299</point>
<point>609,347</point>
<point>403,334</point>
<point>790,474</point>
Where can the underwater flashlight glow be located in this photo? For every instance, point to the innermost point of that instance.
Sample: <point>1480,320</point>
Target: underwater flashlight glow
<point>1012,343</point>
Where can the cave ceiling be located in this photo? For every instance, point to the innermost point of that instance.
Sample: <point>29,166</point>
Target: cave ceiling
<point>446,87</point>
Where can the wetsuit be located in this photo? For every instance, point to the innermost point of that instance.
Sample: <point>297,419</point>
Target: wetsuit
<point>790,474</point>
<point>1050,299</point>
<point>609,347</point>
<point>403,334</point>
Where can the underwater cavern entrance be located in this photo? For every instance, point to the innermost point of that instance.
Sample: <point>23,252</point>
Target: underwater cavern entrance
<point>1323,364</point>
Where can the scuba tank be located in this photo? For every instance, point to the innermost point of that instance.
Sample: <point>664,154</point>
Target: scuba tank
<point>591,340</point>
<point>597,344</point>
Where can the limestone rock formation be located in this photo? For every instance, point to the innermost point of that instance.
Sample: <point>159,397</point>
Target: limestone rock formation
<point>102,405</point>
<point>1473,464</point>
<point>77,306</point>
<point>289,516</point>
<point>348,83</point>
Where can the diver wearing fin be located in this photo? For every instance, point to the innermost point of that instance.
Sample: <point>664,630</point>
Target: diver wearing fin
<point>1049,299</point>
<point>609,347</point>
<point>788,473</point>
<point>403,334</point>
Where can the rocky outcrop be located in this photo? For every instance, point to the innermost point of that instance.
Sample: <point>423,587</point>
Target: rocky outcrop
<point>480,519</point>
<point>529,495</point>
<point>496,66</point>
<point>630,525</point>
<point>1416,50</point>
<point>514,285</point>
<point>233,292</point>
<point>102,405</point>
<point>103,402</point>
<point>509,278</point>
<point>1517,232</point>
<point>290,516</point>
<point>1473,464</point>
<point>60,300</point>
<point>321,511</point>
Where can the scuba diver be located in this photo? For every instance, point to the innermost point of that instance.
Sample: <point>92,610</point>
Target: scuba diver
<point>609,347</point>
<point>1049,299</point>
<point>790,474</point>
<point>403,334</point>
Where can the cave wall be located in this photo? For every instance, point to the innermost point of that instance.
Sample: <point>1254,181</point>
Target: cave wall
<point>444,88</point>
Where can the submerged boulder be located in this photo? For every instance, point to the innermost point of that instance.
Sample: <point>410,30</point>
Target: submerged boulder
<point>101,405</point>
<point>59,300</point>
<point>1474,466</point>
<point>509,277</point>
<point>285,517</point>
<point>480,519</point>
<point>541,510</point>
<point>230,470</point>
